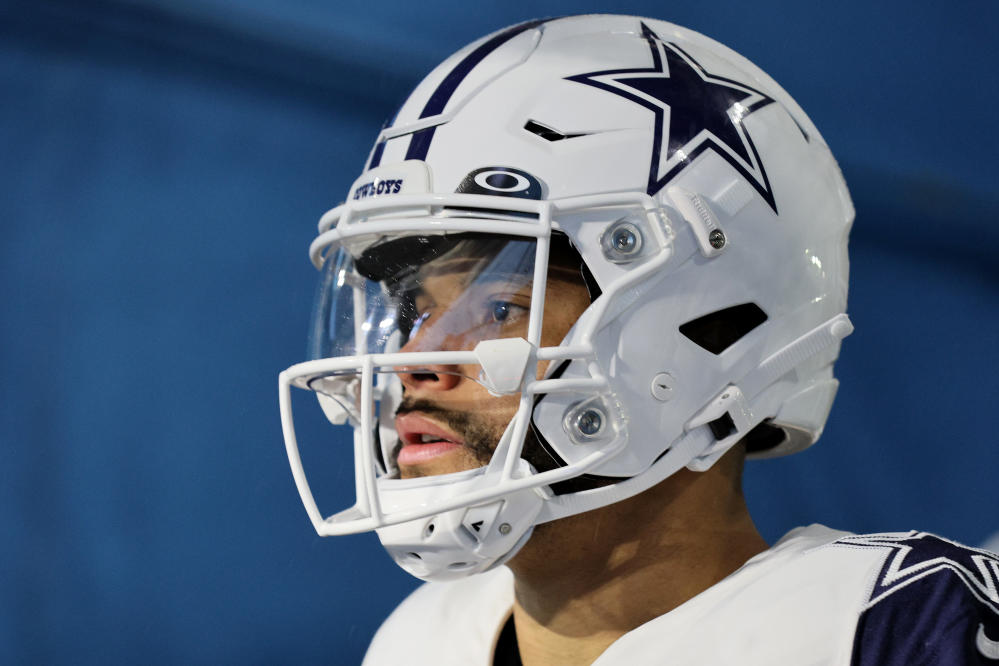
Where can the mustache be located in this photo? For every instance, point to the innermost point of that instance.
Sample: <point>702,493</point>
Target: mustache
<point>409,405</point>
<point>478,435</point>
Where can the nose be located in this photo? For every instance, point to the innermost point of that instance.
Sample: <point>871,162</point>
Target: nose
<point>440,377</point>
<point>430,378</point>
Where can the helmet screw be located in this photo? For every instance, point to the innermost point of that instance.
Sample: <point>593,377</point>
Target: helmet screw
<point>662,386</point>
<point>622,241</point>
<point>717,239</point>
<point>589,422</point>
<point>625,241</point>
<point>505,528</point>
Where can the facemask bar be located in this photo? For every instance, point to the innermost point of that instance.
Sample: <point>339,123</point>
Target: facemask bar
<point>353,221</point>
<point>367,513</point>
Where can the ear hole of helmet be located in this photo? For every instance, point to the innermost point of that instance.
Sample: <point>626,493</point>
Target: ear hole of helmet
<point>719,330</point>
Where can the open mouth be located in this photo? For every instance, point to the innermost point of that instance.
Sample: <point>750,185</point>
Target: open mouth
<point>423,440</point>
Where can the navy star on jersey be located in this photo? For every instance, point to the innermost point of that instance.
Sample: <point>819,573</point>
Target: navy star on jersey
<point>694,110</point>
<point>933,601</point>
<point>919,554</point>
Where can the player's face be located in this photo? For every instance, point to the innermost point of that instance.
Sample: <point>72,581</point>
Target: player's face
<point>448,422</point>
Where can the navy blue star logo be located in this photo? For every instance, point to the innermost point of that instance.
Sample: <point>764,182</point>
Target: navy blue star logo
<point>915,555</point>
<point>694,111</point>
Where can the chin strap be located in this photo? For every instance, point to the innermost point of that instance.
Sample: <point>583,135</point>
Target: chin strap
<point>729,415</point>
<point>463,541</point>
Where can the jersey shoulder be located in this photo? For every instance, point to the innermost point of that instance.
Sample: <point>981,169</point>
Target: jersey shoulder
<point>454,622</point>
<point>796,603</point>
<point>931,601</point>
<point>825,597</point>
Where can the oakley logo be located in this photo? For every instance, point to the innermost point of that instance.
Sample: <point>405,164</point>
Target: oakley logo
<point>501,181</point>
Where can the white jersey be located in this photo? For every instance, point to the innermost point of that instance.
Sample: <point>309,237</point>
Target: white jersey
<point>819,596</point>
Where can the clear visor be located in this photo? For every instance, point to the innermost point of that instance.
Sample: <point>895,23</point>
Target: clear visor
<point>443,292</point>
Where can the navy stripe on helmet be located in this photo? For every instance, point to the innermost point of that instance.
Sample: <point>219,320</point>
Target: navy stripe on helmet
<point>420,142</point>
<point>376,156</point>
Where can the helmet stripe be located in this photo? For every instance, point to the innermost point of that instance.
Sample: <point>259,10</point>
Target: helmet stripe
<point>420,143</point>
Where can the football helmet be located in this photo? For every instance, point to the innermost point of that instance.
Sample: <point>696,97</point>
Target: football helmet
<point>586,253</point>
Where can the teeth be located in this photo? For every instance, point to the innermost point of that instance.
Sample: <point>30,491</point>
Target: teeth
<point>424,438</point>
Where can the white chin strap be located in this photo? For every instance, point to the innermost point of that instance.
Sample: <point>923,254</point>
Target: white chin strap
<point>460,542</point>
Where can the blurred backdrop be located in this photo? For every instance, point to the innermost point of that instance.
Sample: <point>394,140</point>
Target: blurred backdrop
<point>163,165</point>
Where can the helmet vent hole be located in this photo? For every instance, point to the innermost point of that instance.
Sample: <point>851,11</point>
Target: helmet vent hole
<point>547,133</point>
<point>721,329</point>
<point>414,556</point>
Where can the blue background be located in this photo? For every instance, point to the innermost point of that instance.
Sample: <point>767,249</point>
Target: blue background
<point>163,165</point>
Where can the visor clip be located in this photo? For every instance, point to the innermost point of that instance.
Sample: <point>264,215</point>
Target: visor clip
<point>504,363</point>
<point>711,238</point>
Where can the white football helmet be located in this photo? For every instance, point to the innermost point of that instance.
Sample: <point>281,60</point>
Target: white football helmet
<point>711,222</point>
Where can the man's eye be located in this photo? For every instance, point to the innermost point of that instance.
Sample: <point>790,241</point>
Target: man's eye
<point>502,311</point>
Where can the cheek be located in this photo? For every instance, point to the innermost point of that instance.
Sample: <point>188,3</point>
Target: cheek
<point>499,410</point>
<point>561,314</point>
<point>472,399</point>
<point>542,369</point>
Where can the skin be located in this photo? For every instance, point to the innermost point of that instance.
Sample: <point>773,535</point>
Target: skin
<point>445,394</point>
<point>631,561</point>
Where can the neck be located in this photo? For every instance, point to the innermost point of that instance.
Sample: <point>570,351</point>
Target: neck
<point>583,582</point>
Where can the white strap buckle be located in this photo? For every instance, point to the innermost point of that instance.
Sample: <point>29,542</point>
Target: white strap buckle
<point>729,417</point>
